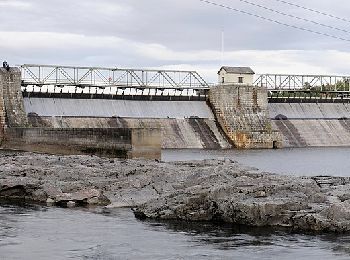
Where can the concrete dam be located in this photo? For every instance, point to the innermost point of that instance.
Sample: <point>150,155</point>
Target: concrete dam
<point>222,117</point>
<point>183,124</point>
<point>312,124</point>
<point>191,124</point>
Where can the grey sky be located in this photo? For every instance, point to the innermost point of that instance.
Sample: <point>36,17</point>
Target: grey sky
<point>183,34</point>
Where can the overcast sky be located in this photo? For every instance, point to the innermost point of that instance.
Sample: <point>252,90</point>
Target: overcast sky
<point>181,34</point>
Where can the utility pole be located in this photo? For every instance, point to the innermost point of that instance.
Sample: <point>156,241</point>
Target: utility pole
<point>222,46</point>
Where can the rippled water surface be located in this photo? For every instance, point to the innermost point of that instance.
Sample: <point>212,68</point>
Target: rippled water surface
<point>54,233</point>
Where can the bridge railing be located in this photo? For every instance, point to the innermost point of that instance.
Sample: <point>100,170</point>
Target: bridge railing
<point>41,75</point>
<point>284,82</point>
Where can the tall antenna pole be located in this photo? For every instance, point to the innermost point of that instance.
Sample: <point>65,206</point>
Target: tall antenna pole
<point>222,47</point>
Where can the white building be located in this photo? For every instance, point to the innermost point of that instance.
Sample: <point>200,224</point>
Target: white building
<point>236,75</point>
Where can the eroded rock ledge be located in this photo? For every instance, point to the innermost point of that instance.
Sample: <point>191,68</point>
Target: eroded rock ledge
<point>212,190</point>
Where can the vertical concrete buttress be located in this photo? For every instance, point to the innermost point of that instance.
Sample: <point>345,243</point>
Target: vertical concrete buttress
<point>242,113</point>
<point>12,112</point>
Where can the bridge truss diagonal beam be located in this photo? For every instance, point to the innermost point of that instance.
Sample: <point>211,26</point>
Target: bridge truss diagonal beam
<point>41,75</point>
<point>285,82</point>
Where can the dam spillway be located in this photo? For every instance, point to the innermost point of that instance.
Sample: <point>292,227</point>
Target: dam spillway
<point>184,124</point>
<point>310,110</point>
<point>312,124</point>
<point>49,107</point>
<point>192,124</point>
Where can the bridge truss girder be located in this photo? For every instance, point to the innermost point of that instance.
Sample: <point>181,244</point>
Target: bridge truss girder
<point>98,77</point>
<point>284,82</point>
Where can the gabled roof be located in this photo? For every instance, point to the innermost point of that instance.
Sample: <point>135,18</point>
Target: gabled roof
<point>237,70</point>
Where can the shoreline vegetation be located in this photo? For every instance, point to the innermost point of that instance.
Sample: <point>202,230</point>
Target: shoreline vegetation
<point>210,190</point>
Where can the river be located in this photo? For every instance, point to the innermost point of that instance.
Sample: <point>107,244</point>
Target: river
<point>38,232</point>
<point>334,161</point>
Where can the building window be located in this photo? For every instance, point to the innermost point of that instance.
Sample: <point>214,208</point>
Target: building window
<point>223,80</point>
<point>240,79</point>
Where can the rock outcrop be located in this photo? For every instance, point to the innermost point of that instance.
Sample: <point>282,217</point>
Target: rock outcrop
<point>211,190</point>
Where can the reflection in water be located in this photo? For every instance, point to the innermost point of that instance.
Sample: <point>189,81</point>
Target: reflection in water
<point>54,233</point>
<point>284,243</point>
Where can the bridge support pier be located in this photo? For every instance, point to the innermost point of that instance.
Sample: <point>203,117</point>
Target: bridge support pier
<point>243,115</point>
<point>12,112</point>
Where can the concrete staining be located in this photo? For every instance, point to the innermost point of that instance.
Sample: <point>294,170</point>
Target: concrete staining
<point>184,124</point>
<point>211,190</point>
<point>193,133</point>
<point>242,113</point>
<point>16,133</point>
<point>12,112</point>
<point>310,110</point>
<point>312,124</point>
<point>116,108</point>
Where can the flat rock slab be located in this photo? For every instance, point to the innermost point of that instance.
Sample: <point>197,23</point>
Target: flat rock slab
<point>82,197</point>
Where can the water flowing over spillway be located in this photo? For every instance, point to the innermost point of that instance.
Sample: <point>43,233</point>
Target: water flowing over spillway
<point>312,124</point>
<point>116,108</point>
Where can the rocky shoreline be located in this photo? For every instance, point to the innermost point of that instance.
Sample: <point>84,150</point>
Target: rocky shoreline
<point>211,190</point>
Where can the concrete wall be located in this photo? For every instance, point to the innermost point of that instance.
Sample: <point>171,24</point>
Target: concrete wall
<point>12,112</point>
<point>146,143</point>
<point>191,133</point>
<point>10,88</point>
<point>2,105</point>
<point>312,124</point>
<point>70,141</point>
<point>16,133</point>
<point>184,124</point>
<point>121,142</point>
<point>243,115</point>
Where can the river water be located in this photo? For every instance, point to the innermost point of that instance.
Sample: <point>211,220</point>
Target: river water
<point>300,162</point>
<point>37,232</point>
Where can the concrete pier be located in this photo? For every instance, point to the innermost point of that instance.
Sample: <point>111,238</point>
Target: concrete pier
<point>12,112</point>
<point>242,113</point>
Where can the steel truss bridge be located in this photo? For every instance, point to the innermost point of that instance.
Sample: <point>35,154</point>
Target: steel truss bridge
<point>55,79</point>
<point>303,82</point>
<point>109,79</point>
<point>307,87</point>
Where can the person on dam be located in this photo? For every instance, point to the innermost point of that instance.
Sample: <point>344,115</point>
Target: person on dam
<point>6,65</point>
